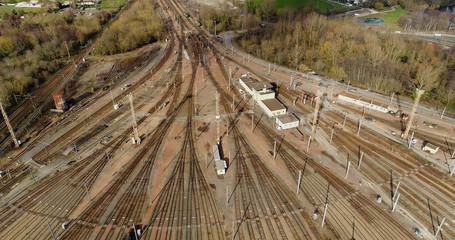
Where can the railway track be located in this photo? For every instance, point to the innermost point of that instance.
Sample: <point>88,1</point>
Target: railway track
<point>420,180</point>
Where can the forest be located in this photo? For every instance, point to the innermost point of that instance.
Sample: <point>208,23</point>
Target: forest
<point>368,56</point>
<point>33,47</point>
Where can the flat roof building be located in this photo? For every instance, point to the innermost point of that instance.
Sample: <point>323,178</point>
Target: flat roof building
<point>287,121</point>
<point>258,90</point>
<point>272,107</point>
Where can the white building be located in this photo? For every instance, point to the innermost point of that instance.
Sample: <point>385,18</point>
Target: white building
<point>264,94</point>
<point>258,90</point>
<point>286,121</point>
<point>363,102</point>
<point>272,107</point>
<point>220,164</point>
<point>220,167</point>
<point>429,147</point>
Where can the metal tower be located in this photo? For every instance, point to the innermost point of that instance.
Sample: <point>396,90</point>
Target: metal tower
<point>133,114</point>
<point>8,124</point>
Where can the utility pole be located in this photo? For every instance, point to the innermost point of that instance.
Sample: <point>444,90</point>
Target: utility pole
<point>360,125</point>
<point>347,168</point>
<point>331,135</point>
<point>229,85</point>
<point>413,112</point>
<point>8,125</point>
<point>316,110</point>
<point>396,191</point>
<point>52,232</point>
<point>298,183</point>
<point>443,111</point>
<point>252,122</point>
<point>308,147</point>
<point>439,228</point>
<point>133,114</point>
<point>360,160</point>
<point>86,190</point>
<point>395,203</point>
<point>274,150</point>
<point>31,173</point>
<point>344,120</point>
<point>217,112</point>
<point>326,205</point>
<point>112,97</point>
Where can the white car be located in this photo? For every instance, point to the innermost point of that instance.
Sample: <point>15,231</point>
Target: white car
<point>414,140</point>
<point>241,91</point>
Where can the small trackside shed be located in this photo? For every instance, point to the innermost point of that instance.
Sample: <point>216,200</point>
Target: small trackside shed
<point>429,147</point>
<point>272,107</point>
<point>220,164</point>
<point>287,121</point>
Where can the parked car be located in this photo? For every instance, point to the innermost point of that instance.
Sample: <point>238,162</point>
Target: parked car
<point>352,90</point>
<point>241,91</point>
<point>369,119</point>
<point>367,90</point>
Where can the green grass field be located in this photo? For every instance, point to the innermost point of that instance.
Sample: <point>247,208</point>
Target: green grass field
<point>315,4</point>
<point>105,4</point>
<point>9,9</point>
<point>389,17</point>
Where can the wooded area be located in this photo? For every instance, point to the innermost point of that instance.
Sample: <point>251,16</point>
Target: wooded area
<point>370,56</point>
<point>34,47</point>
<point>138,26</point>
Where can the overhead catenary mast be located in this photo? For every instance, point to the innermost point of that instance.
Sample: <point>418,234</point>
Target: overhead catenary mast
<point>217,112</point>
<point>133,114</point>
<point>316,110</point>
<point>8,124</point>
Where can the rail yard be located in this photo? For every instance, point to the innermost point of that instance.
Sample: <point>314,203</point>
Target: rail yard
<point>113,169</point>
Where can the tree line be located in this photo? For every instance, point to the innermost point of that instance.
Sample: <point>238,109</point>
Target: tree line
<point>373,57</point>
<point>136,27</point>
<point>33,47</point>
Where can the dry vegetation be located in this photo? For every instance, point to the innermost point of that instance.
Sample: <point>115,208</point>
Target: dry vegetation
<point>138,26</point>
<point>33,48</point>
<point>380,61</point>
